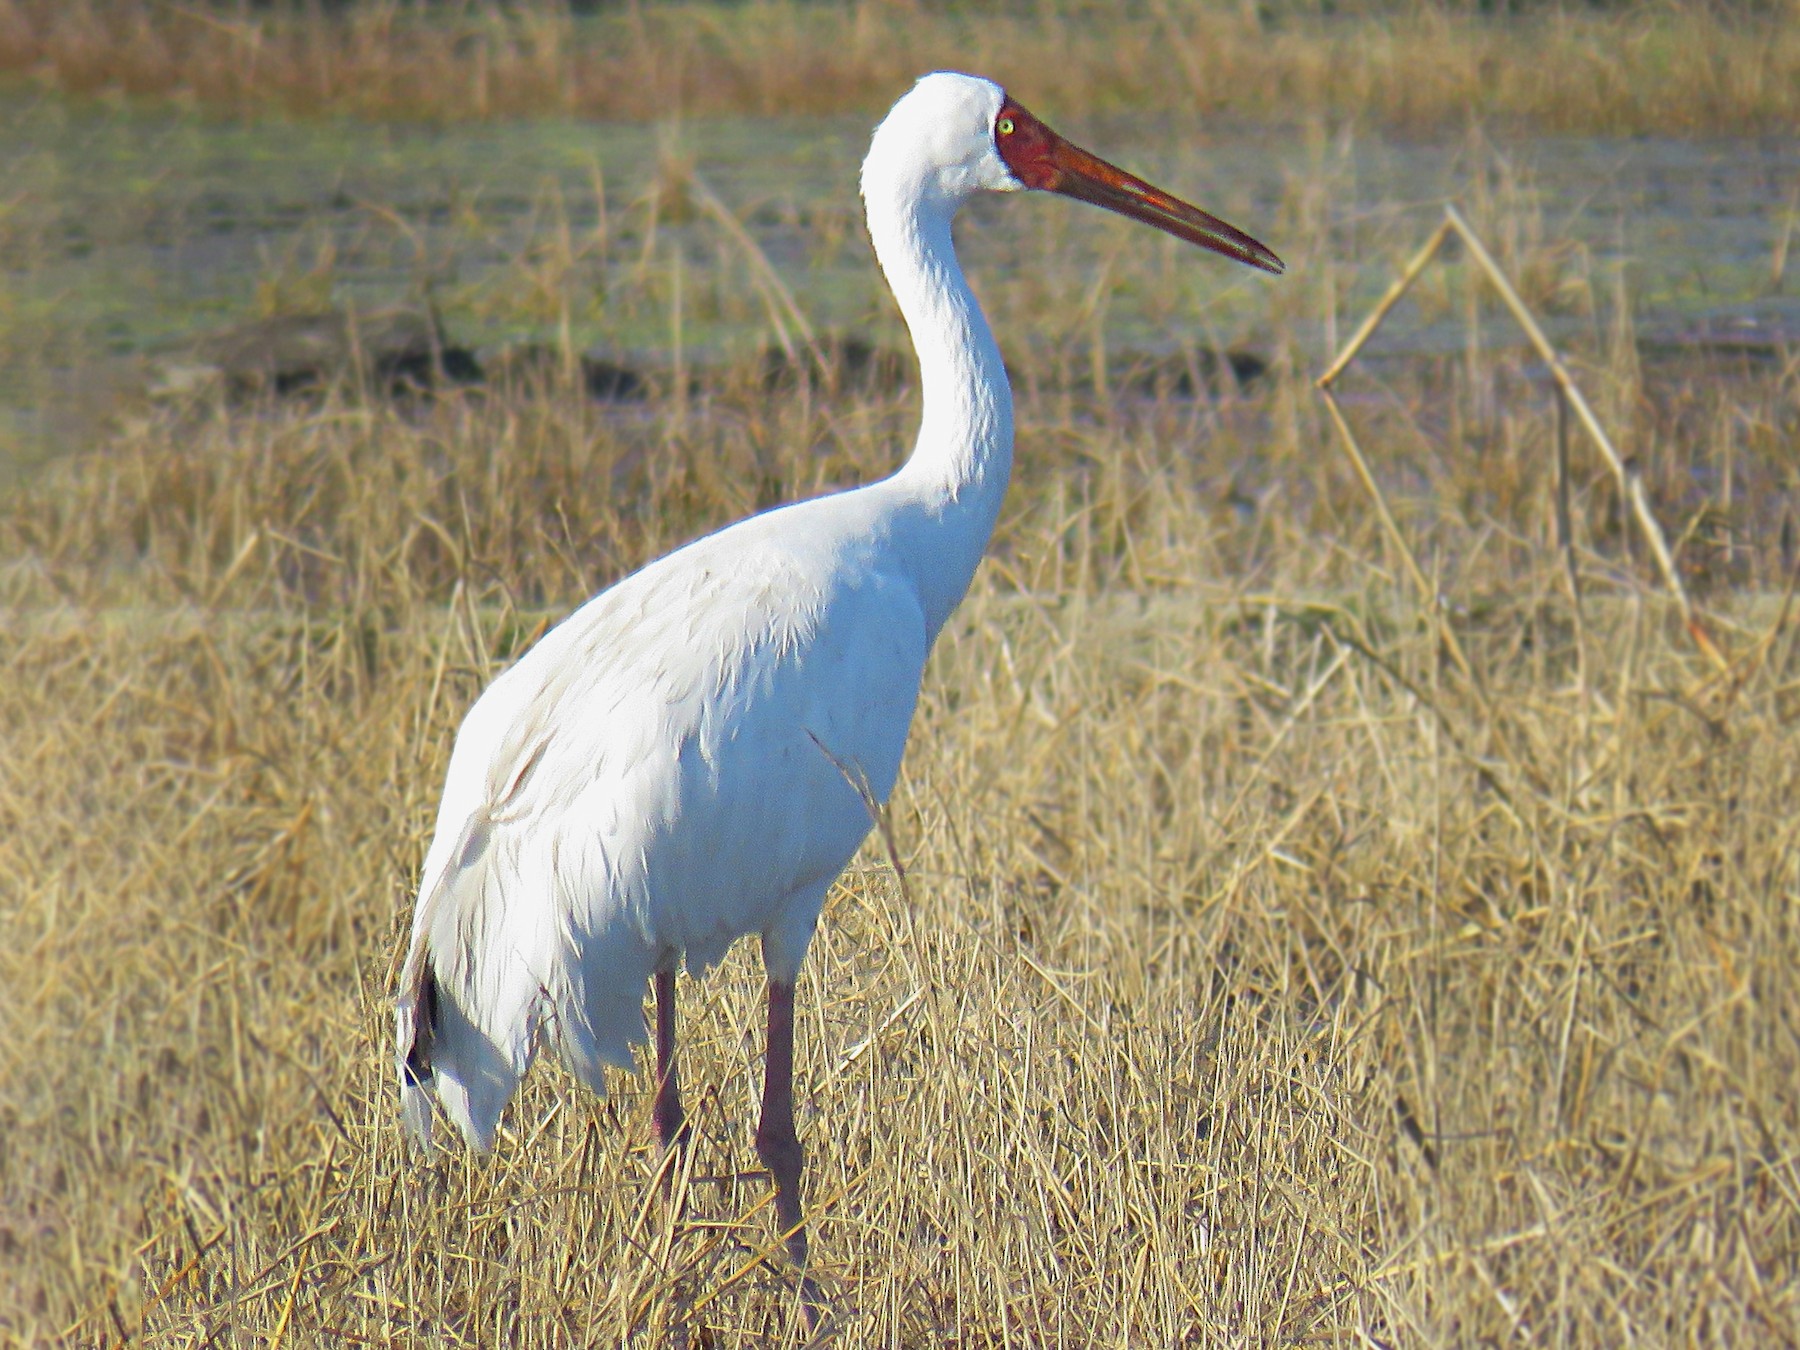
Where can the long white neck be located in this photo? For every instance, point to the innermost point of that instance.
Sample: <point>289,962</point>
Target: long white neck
<point>949,491</point>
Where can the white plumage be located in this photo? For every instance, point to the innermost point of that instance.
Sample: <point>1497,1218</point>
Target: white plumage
<point>681,762</point>
<point>646,783</point>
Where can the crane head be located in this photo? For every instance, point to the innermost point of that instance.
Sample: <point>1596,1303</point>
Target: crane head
<point>953,135</point>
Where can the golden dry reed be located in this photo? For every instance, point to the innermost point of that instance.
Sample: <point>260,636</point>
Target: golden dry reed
<point>1250,974</point>
<point>1688,65</point>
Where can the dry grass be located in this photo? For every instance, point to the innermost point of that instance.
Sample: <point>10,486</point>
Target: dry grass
<point>1684,66</point>
<point>1255,975</point>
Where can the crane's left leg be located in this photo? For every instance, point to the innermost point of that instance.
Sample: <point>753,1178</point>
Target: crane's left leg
<point>671,1122</point>
<point>777,1144</point>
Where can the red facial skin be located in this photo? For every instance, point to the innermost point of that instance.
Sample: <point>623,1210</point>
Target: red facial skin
<point>1041,159</point>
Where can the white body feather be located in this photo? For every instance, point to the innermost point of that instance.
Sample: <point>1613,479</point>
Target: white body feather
<point>672,767</point>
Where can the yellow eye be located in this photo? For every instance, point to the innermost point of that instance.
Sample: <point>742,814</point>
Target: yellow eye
<point>1005,127</point>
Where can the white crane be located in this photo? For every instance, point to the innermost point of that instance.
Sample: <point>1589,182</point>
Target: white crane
<point>682,762</point>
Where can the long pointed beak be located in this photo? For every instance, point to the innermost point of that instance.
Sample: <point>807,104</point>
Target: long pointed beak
<point>1040,158</point>
<point>1089,178</point>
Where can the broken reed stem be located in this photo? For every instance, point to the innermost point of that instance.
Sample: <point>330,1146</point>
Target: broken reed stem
<point>1402,283</point>
<point>1565,534</point>
<point>1631,487</point>
<point>1427,592</point>
<point>1630,482</point>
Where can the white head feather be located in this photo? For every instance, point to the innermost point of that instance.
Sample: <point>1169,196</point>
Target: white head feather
<point>937,142</point>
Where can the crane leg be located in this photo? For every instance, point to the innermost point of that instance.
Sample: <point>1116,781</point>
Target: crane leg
<point>671,1122</point>
<point>776,1142</point>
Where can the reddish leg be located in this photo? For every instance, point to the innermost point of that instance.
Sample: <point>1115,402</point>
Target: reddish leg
<point>671,1124</point>
<point>776,1142</point>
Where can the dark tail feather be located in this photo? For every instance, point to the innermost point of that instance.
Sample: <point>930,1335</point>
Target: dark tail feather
<point>418,1017</point>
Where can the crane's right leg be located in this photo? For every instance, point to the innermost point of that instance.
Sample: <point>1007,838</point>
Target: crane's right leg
<point>777,1143</point>
<point>671,1123</point>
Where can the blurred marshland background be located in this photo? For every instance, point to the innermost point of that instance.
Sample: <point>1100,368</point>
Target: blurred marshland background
<point>1286,950</point>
